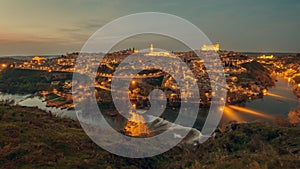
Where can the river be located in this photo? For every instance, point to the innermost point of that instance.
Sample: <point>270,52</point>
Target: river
<point>156,125</point>
<point>36,101</point>
<point>279,100</point>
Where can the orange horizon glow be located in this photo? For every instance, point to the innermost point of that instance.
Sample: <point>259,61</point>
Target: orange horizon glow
<point>20,36</point>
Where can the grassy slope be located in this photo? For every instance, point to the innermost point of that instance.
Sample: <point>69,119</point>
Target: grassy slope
<point>30,138</point>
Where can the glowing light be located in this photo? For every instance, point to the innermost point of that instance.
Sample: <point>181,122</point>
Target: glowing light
<point>265,91</point>
<point>133,82</point>
<point>55,91</point>
<point>135,50</point>
<point>44,93</point>
<point>136,125</point>
<point>266,57</point>
<point>215,47</point>
<point>278,96</point>
<point>232,115</point>
<point>151,48</point>
<point>38,59</point>
<point>249,111</point>
<point>159,53</point>
<point>134,106</point>
<point>4,65</point>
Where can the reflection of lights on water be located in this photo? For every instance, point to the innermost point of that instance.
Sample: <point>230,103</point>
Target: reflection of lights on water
<point>278,96</point>
<point>231,114</point>
<point>250,112</point>
<point>136,125</point>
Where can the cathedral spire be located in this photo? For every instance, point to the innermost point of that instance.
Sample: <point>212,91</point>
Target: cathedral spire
<point>151,48</point>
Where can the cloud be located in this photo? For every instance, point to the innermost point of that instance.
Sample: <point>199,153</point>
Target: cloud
<point>238,25</point>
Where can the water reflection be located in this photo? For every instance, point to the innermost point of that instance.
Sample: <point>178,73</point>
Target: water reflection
<point>250,112</point>
<point>36,101</point>
<point>136,125</point>
<point>278,101</point>
<point>230,114</point>
<point>278,96</point>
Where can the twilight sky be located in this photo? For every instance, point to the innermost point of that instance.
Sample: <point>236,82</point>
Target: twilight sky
<point>58,26</point>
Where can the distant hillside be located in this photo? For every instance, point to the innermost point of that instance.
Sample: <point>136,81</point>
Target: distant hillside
<point>267,53</point>
<point>28,81</point>
<point>31,138</point>
<point>259,73</point>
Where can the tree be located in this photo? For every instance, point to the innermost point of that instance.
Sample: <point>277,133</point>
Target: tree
<point>294,116</point>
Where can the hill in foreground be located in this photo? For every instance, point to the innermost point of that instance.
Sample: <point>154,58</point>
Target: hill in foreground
<point>31,138</point>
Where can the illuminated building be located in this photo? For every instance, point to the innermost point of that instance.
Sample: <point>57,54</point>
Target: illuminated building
<point>135,50</point>
<point>38,59</point>
<point>214,47</point>
<point>265,57</point>
<point>151,48</point>
<point>159,53</point>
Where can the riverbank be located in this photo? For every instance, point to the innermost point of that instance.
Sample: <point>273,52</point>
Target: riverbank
<point>39,102</point>
<point>296,90</point>
<point>264,105</point>
<point>277,102</point>
<point>31,138</point>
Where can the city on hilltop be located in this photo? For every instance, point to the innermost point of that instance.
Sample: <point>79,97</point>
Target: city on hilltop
<point>248,77</point>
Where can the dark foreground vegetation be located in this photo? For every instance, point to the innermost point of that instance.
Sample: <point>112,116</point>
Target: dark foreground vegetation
<point>31,138</point>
